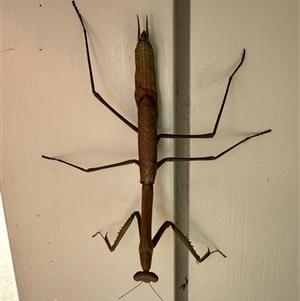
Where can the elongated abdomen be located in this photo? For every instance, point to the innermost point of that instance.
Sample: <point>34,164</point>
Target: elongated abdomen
<point>147,140</point>
<point>146,100</point>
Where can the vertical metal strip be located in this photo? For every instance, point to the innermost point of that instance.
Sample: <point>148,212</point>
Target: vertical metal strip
<point>182,148</point>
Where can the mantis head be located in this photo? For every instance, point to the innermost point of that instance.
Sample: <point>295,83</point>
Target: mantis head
<point>146,277</point>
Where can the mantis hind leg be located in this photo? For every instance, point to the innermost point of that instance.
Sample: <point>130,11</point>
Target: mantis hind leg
<point>211,134</point>
<point>96,94</point>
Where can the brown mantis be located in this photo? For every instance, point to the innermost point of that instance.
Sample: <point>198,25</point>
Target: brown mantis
<point>146,100</point>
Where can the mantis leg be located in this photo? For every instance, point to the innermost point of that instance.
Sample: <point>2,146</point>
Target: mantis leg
<point>184,239</point>
<point>92,169</point>
<point>210,158</point>
<point>122,231</point>
<point>96,94</point>
<point>212,134</point>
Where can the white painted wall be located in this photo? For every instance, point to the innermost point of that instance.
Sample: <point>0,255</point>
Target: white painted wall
<point>246,203</point>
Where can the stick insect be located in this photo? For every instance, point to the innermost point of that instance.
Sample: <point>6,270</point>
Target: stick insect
<point>146,101</point>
